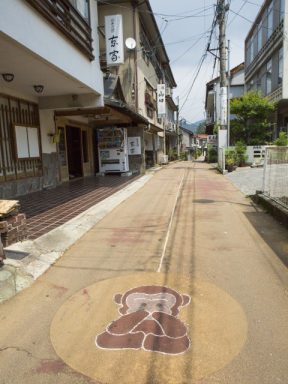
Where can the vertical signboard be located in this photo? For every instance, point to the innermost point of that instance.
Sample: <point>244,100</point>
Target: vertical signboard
<point>161,102</point>
<point>114,40</point>
<point>223,106</point>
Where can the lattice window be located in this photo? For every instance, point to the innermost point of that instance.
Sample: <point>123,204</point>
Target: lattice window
<point>19,112</point>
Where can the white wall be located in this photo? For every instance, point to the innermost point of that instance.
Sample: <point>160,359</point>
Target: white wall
<point>254,152</point>
<point>47,126</point>
<point>186,139</point>
<point>27,27</point>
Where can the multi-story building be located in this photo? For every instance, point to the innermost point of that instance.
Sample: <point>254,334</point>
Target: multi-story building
<point>187,142</point>
<point>145,66</point>
<point>212,102</point>
<point>265,56</point>
<point>50,79</point>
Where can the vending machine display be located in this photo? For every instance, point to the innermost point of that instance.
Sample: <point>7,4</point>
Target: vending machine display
<point>113,149</point>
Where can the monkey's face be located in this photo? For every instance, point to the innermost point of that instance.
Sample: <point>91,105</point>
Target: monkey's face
<point>158,302</point>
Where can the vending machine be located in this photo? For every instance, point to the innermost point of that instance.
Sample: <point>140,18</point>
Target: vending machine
<point>113,149</point>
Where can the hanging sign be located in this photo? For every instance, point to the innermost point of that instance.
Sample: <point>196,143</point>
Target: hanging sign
<point>114,40</point>
<point>161,102</point>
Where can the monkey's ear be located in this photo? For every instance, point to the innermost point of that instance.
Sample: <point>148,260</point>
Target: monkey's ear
<point>118,298</point>
<point>186,300</point>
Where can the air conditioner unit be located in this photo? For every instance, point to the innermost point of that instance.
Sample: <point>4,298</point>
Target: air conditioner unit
<point>168,91</point>
<point>170,126</point>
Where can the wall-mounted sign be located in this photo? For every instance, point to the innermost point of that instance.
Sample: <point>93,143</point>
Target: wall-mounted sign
<point>161,102</point>
<point>134,146</point>
<point>114,40</point>
<point>211,139</point>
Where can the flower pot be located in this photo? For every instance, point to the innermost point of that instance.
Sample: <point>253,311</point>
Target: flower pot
<point>230,168</point>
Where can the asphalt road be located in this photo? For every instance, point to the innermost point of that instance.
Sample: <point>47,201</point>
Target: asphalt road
<point>184,282</point>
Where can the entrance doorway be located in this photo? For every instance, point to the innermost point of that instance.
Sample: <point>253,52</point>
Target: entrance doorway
<point>74,153</point>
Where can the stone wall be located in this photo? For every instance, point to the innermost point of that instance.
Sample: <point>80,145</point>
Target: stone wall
<point>137,162</point>
<point>21,187</point>
<point>51,172</point>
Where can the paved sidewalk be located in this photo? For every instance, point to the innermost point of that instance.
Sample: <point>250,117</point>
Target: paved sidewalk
<point>60,226</point>
<point>48,209</point>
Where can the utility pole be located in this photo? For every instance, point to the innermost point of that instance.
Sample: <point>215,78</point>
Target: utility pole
<point>222,9</point>
<point>177,128</point>
<point>228,99</point>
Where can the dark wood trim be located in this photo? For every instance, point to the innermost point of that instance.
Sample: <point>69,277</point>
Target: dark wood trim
<point>50,13</point>
<point>82,112</point>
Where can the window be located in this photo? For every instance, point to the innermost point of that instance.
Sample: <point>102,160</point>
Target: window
<point>149,96</point>
<point>270,19</point>
<point>281,9</point>
<point>144,42</point>
<point>259,35</point>
<point>269,77</point>
<point>19,112</point>
<point>251,49</point>
<point>259,87</point>
<point>150,112</point>
<point>280,66</point>
<point>82,7</point>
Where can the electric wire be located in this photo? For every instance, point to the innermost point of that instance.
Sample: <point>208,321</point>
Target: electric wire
<point>154,13</point>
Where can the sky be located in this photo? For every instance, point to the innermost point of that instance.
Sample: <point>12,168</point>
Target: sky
<point>185,42</point>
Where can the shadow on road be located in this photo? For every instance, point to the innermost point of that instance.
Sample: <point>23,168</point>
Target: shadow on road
<point>275,237</point>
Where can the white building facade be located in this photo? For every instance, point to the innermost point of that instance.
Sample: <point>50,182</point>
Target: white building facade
<point>49,63</point>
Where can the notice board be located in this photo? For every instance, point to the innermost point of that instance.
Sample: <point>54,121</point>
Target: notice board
<point>27,142</point>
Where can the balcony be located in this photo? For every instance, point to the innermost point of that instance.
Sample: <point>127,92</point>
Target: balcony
<point>276,95</point>
<point>66,18</point>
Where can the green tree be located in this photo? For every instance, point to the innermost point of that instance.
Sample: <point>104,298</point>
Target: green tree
<point>251,125</point>
<point>282,140</point>
<point>201,128</point>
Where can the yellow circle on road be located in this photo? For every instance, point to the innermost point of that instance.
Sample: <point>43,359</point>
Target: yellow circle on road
<point>216,326</point>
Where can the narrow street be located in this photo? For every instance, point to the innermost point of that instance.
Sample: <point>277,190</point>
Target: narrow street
<point>190,242</point>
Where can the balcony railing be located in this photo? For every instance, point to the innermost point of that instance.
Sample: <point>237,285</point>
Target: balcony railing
<point>276,95</point>
<point>62,15</point>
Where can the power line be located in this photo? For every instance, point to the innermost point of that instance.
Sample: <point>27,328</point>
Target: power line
<point>156,14</point>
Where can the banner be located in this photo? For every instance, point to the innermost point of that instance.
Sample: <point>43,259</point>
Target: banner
<point>161,101</point>
<point>114,40</point>
<point>223,106</point>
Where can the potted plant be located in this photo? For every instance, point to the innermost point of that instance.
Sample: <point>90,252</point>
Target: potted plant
<point>230,163</point>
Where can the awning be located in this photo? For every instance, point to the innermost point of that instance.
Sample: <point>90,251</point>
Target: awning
<point>172,134</point>
<point>114,112</point>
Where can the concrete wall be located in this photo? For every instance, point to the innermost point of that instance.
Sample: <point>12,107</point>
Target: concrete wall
<point>255,153</point>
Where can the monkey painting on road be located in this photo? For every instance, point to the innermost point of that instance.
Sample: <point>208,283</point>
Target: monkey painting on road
<point>148,321</point>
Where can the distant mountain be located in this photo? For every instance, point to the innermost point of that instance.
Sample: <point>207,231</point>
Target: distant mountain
<point>199,122</point>
<point>190,126</point>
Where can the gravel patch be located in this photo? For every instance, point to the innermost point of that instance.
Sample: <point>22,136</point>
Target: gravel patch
<point>247,179</point>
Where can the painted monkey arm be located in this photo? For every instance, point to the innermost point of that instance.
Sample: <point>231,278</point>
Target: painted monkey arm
<point>126,323</point>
